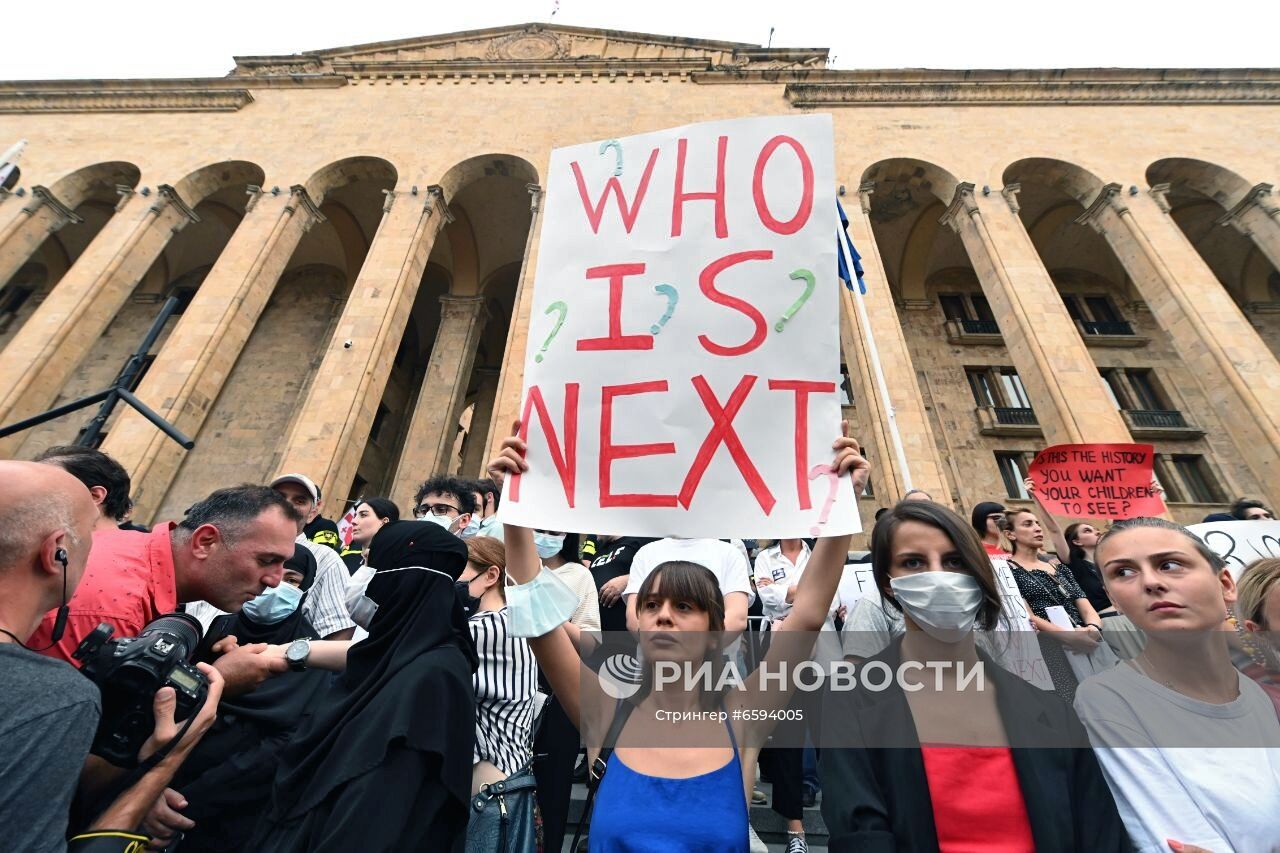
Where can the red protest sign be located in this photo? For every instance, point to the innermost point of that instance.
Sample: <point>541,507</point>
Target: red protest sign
<point>1097,480</point>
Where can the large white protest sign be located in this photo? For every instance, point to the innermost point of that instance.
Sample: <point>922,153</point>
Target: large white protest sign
<point>1240,542</point>
<point>1021,654</point>
<point>683,354</point>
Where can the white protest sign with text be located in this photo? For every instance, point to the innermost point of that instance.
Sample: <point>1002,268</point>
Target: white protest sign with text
<point>683,358</point>
<point>1022,655</point>
<point>1240,542</point>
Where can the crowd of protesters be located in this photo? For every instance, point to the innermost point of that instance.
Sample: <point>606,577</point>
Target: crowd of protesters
<point>429,678</point>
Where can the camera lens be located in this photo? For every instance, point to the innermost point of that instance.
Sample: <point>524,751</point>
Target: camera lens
<point>180,627</point>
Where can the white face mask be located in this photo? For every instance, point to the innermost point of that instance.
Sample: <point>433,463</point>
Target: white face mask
<point>943,604</point>
<point>443,520</point>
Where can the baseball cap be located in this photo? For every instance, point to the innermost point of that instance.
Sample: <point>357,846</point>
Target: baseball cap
<point>302,480</point>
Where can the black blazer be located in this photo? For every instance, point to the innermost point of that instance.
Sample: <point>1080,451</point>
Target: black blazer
<point>875,799</point>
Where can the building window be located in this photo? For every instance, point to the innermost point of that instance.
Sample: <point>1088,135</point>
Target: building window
<point>1135,389</point>
<point>358,486</point>
<point>1013,470</point>
<point>1188,478</point>
<point>966,306</point>
<point>1096,315</point>
<point>11,300</point>
<point>845,386</point>
<point>1001,389</point>
<point>379,423</point>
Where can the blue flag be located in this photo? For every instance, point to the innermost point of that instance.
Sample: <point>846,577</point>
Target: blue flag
<point>842,268</point>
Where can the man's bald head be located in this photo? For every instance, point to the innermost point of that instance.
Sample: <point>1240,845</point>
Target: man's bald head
<point>38,501</point>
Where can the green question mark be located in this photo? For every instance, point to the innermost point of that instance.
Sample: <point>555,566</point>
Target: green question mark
<point>563,310</point>
<point>809,283</point>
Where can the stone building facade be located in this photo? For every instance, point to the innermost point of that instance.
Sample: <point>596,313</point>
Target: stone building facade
<point>1051,256</point>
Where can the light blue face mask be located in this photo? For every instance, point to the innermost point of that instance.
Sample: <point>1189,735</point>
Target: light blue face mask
<point>274,604</point>
<point>472,528</point>
<point>539,606</point>
<point>547,544</point>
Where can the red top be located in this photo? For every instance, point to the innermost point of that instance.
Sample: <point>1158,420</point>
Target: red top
<point>995,550</point>
<point>977,802</point>
<point>129,580</point>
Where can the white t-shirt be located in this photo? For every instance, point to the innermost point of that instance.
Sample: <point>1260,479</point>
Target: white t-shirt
<point>1216,786</point>
<point>725,561</point>
<point>783,574</point>
<point>578,578</point>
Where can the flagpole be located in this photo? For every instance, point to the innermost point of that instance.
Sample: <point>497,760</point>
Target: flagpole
<point>873,355</point>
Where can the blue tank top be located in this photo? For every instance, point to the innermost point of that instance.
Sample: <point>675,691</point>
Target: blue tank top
<point>637,813</point>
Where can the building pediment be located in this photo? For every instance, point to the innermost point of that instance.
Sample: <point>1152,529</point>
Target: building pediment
<point>529,47</point>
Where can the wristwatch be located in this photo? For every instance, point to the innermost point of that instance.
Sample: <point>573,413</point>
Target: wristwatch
<point>297,653</point>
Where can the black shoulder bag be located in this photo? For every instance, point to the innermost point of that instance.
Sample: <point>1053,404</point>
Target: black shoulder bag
<point>596,775</point>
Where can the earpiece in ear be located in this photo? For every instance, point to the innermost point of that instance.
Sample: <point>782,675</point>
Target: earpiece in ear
<point>61,556</point>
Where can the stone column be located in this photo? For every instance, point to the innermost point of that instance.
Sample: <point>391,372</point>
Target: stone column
<point>332,427</point>
<point>23,234</point>
<point>433,426</point>
<point>1238,373</point>
<point>1063,382</point>
<point>191,367</point>
<point>49,347</point>
<point>473,456</point>
<point>506,407</point>
<point>1257,216</point>
<point>923,461</point>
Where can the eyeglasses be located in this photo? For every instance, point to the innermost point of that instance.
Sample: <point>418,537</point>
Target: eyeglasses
<point>422,510</point>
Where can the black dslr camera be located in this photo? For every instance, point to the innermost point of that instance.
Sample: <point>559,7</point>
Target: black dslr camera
<point>129,671</point>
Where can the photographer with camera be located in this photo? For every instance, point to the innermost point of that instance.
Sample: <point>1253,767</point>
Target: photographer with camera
<point>228,548</point>
<point>48,712</point>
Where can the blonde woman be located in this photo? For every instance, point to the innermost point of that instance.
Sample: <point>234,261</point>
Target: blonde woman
<point>1257,621</point>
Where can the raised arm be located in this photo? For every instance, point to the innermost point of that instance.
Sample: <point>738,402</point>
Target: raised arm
<point>814,593</point>
<point>1060,544</point>
<point>817,586</point>
<point>556,651</point>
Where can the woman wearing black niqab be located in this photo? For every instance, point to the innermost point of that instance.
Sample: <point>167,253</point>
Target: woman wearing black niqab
<point>385,762</point>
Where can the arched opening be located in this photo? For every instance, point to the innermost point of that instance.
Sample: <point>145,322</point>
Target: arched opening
<point>950,328</point>
<point>1200,196</point>
<point>217,195</point>
<point>475,264</point>
<point>1140,368</point>
<point>90,194</point>
<point>274,369</point>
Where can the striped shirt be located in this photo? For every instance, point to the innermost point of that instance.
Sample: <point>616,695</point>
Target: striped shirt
<point>505,684</point>
<point>326,604</point>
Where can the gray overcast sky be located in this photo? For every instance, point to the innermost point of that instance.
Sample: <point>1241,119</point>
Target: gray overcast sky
<point>45,39</point>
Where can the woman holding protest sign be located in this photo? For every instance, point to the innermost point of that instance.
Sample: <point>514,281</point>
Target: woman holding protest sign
<point>669,753</point>
<point>1074,546</point>
<point>1059,608</point>
<point>1189,745</point>
<point>943,761</point>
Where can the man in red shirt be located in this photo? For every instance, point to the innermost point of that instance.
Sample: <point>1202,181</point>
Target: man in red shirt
<point>230,547</point>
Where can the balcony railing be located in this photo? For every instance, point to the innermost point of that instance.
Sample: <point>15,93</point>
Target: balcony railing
<point>1157,419</point>
<point>980,327</point>
<point>1012,416</point>
<point>1007,421</point>
<point>1107,327</point>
